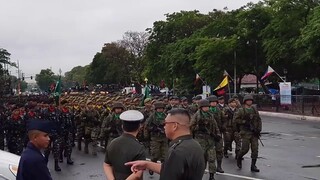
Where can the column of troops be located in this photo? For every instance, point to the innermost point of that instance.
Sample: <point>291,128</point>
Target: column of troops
<point>90,120</point>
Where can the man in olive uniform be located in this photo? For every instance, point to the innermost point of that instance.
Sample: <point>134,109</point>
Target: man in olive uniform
<point>146,111</point>
<point>221,103</point>
<point>125,148</point>
<point>206,132</point>
<point>194,106</point>
<point>111,126</point>
<point>250,126</point>
<point>219,117</point>
<point>231,134</point>
<point>154,131</point>
<point>184,159</point>
<point>173,103</point>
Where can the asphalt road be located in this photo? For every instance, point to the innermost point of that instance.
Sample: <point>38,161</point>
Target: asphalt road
<point>291,151</point>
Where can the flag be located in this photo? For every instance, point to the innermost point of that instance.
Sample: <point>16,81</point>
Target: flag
<point>146,95</point>
<point>223,83</point>
<point>197,78</point>
<point>267,73</point>
<point>57,91</point>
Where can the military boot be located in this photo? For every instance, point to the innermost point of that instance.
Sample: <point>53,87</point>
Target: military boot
<point>86,148</point>
<point>219,168</point>
<point>253,166</point>
<point>239,162</point>
<point>60,157</point>
<point>211,177</point>
<point>225,153</point>
<point>79,145</point>
<point>69,160</point>
<point>56,166</point>
<point>237,154</point>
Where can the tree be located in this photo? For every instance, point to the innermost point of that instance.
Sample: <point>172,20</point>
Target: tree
<point>4,74</point>
<point>77,76</point>
<point>112,65</point>
<point>45,79</point>
<point>135,43</point>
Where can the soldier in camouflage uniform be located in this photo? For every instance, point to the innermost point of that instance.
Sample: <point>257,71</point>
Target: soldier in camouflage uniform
<point>194,106</point>
<point>205,130</point>
<point>52,115</point>
<point>16,131</point>
<point>231,133</point>
<point>154,131</point>
<point>173,103</point>
<point>111,126</point>
<point>146,111</point>
<point>219,117</point>
<point>250,126</point>
<point>79,123</point>
<point>92,124</point>
<point>2,126</point>
<point>67,130</point>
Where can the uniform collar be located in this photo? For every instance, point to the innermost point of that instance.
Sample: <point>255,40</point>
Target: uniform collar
<point>128,135</point>
<point>181,138</point>
<point>33,147</point>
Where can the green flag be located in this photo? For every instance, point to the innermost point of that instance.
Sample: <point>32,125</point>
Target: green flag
<point>57,91</point>
<point>146,95</point>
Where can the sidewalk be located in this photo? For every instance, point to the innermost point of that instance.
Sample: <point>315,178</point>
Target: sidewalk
<point>289,116</point>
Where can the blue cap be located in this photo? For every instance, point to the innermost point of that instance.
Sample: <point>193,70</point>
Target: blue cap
<point>40,125</point>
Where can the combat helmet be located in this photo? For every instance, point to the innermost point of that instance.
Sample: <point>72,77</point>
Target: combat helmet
<point>159,104</point>
<point>118,105</point>
<point>203,103</point>
<point>212,98</point>
<point>247,97</point>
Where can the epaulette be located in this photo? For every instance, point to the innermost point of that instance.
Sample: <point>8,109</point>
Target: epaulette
<point>176,144</point>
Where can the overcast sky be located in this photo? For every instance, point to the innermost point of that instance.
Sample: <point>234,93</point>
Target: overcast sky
<point>67,33</point>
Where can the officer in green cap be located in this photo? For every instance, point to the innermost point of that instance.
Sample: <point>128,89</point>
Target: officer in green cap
<point>125,148</point>
<point>249,122</point>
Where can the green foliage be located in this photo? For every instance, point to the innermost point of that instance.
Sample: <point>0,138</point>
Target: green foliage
<point>45,79</point>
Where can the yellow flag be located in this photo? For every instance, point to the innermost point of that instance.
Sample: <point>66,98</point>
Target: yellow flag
<point>223,83</point>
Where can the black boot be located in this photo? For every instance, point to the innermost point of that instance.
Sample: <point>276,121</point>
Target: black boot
<point>239,162</point>
<point>225,153</point>
<point>79,145</point>
<point>86,148</point>
<point>253,166</point>
<point>56,166</point>
<point>150,172</point>
<point>60,158</point>
<point>69,160</point>
<point>211,176</point>
<point>219,168</point>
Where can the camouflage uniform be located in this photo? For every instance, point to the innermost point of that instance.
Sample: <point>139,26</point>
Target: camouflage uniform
<point>2,129</point>
<point>206,132</point>
<point>250,126</point>
<point>67,130</point>
<point>79,123</point>
<point>91,130</point>
<point>16,131</point>
<point>219,117</point>
<point>154,130</point>
<point>231,133</point>
<point>112,125</point>
<point>52,114</point>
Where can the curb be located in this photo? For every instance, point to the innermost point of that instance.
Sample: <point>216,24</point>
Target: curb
<point>289,116</point>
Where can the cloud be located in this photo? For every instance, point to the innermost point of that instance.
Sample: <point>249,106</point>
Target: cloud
<point>63,34</point>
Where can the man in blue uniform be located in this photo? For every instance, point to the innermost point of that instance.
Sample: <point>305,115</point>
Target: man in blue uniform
<point>33,165</point>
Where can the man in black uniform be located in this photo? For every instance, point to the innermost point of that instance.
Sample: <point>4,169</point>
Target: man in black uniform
<point>125,148</point>
<point>185,158</point>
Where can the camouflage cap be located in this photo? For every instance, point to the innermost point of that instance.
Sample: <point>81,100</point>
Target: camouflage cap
<point>203,103</point>
<point>159,104</point>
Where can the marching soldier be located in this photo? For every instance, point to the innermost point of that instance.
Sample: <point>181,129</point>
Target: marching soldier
<point>219,117</point>
<point>154,131</point>
<point>111,126</point>
<point>250,125</point>
<point>67,128</point>
<point>231,133</point>
<point>52,115</point>
<point>91,128</point>
<point>221,104</point>
<point>16,131</point>
<point>206,132</point>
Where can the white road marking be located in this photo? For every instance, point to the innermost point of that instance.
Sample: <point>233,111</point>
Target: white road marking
<point>292,135</point>
<point>237,176</point>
